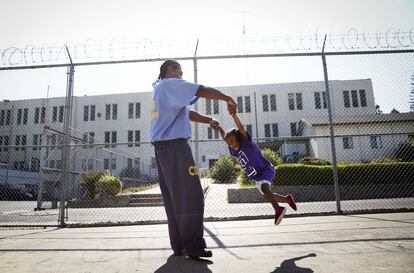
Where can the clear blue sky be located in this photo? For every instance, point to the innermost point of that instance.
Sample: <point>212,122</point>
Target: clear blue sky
<point>56,21</point>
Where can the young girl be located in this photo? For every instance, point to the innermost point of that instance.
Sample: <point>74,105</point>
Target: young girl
<point>255,166</point>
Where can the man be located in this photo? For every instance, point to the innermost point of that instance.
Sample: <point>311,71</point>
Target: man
<point>178,176</point>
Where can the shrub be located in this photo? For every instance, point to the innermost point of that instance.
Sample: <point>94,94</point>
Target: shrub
<point>314,161</point>
<point>382,160</point>
<point>272,157</point>
<point>347,163</point>
<point>89,182</point>
<point>405,152</point>
<point>224,170</point>
<point>109,184</point>
<point>367,174</point>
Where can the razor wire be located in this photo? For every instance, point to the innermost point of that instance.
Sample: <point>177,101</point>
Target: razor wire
<point>147,49</point>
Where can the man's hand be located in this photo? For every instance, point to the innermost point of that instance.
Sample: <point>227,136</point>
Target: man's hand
<point>231,106</point>
<point>214,124</point>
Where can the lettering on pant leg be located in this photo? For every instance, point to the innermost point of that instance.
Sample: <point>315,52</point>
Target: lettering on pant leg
<point>193,171</point>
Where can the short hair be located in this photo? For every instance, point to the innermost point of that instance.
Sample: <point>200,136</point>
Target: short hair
<point>164,67</point>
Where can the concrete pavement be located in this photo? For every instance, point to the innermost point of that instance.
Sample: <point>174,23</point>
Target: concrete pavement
<point>360,243</point>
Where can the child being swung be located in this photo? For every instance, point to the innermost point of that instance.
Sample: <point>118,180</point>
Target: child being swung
<point>255,166</point>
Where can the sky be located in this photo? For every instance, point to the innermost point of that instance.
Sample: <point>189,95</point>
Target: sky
<point>50,22</point>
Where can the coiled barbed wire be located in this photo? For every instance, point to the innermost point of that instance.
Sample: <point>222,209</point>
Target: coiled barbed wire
<point>118,50</point>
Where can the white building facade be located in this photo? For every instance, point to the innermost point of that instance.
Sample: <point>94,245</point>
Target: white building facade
<point>270,112</point>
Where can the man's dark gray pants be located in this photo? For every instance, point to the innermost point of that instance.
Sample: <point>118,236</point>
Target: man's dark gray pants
<point>183,196</point>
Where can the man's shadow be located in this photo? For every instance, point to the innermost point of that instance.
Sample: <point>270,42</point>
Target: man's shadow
<point>184,265</point>
<point>289,265</point>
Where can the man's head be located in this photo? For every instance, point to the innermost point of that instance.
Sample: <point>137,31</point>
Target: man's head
<point>170,69</point>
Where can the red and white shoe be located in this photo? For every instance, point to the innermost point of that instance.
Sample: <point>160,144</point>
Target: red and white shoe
<point>280,212</point>
<point>292,202</point>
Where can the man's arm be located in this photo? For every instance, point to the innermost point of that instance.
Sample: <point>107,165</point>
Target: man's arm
<point>212,93</point>
<point>239,125</point>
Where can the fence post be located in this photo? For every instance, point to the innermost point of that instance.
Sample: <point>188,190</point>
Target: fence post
<point>331,131</point>
<point>66,140</point>
<point>196,127</point>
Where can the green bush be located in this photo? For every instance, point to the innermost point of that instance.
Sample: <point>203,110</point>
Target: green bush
<point>109,184</point>
<point>314,161</point>
<point>89,182</point>
<point>369,174</point>
<point>224,170</point>
<point>272,157</point>
<point>382,160</point>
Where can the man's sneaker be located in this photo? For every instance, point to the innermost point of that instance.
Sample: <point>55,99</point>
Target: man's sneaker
<point>201,253</point>
<point>291,202</point>
<point>280,212</point>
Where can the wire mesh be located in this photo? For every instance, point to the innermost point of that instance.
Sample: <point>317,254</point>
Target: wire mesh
<point>283,103</point>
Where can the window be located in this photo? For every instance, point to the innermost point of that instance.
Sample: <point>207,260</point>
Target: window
<point>37,140</point>
<point>299,104</point>
<point>137,110</point>
<point>363,98</point>
<point>208,107</point>
<point>294,129</point>
<point>267,130</point>
<point>137,163</point>
<point>52,164</point>
<point>24,143</point>
<point>376,142</point>
<point>216,134</point>
<point>43,115</point>
<point>347,102</point>
<point>110,137</point>
<point>317,97</point>
<point>25,114</point>
<point>325,105</point>
<point>106,164</point>
<point>1,143</point>
<point>59,140</point>
<point>291,101</point>
<point>137,138</point>
<point>354,96</point>
<point>216,107</point>
<point>249,129</point>
<point>130,111</point>
<point>129,163</point>
<point>59,164</point>
<point>61,111</point>
<point>88,138</point>
<point>107,138</point>
<point>37,115</point>
<point>209,133</point>
<point>2,116</point>
<point>17,142</point>
<point>86,113</point>
<point>113,163</point>
<point>6,142</point>
<point>19,116</point>
<point>153,163</point>
<point>239,104</point>
<point>265,103</point>
<point>8,117</point>
<point>53,141</point>
<point>320,97</point>
<point>54,114</point>
<point>91,139</point>
<point>108,112</point>
<point>348,143</point>
<point>114,111</point>
<point>131,138</point>
<point>34,164</point>
<point>85,140</point>
<point>273,103</point>
<point>92,113</point>
<point>247,104</point>
<point>275,130</point>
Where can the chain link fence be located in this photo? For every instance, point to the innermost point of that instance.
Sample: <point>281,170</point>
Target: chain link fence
<point>342,142</point>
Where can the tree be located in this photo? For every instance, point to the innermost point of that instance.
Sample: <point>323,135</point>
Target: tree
<point>411,99</point>
<point>394,111</point>
<point>378,109</point>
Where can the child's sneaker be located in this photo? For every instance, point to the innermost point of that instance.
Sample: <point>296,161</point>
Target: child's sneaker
<point>280,212</point>
<point>291,202</point>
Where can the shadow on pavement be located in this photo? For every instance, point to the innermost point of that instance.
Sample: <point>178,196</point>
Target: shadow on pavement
<point>289,265</point>
<point>184,265</point>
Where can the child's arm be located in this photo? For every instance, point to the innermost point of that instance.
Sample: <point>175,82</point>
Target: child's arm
<point>239,125</point>
<point>222,133</point>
